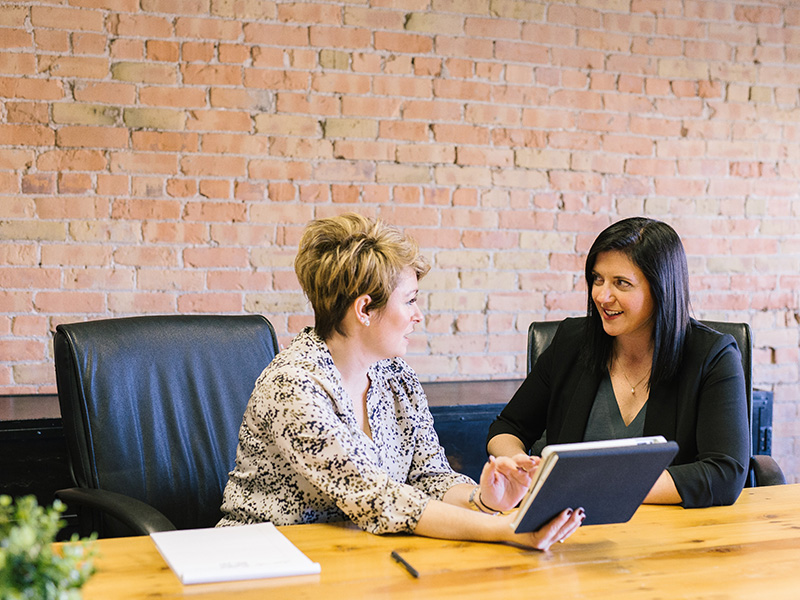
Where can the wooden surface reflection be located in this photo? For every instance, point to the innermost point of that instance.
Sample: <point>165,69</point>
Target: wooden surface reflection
<point>749,550</point>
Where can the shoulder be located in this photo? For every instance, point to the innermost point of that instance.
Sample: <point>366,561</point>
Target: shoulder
<point>704,344</point>
<point>394,369</point>
<point>572,331</point>
<point>306,358</point>
<point>703,338</point>
<point>396,374</point>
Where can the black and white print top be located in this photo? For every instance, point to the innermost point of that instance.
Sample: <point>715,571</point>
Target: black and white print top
<point>303,459</point>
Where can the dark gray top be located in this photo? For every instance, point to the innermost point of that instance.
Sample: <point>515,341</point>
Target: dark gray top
<point>605,421</point>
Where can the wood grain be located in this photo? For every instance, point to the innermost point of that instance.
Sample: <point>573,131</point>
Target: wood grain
<point>748,550</point>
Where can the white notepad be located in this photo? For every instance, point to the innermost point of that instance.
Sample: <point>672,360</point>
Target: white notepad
<point>231,553</point>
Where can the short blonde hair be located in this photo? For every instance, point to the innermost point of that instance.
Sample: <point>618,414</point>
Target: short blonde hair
<point>341,258</point>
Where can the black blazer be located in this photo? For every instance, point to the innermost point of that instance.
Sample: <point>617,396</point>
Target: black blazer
<point>703,408</point>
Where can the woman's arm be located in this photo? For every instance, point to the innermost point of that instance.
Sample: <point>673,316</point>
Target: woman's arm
<point>505,444</point>
<point>448,521</point>
<point>721,433</point>
<point>663,491</point>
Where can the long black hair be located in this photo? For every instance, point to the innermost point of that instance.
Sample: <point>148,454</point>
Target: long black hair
<point>655,248</point>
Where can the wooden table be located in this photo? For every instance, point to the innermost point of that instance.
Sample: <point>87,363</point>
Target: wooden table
<point>750,550</point>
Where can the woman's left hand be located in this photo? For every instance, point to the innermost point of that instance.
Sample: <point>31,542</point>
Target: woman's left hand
<point>504,480</point>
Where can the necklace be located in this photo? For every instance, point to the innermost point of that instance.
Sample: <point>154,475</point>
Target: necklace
<point>638,383</point>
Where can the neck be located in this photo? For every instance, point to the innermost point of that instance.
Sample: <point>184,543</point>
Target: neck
<point>634,347</point>
<point>350,359</point>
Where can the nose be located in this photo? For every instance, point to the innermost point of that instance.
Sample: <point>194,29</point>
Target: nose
<point>417,316</point>
<point>603,294</point>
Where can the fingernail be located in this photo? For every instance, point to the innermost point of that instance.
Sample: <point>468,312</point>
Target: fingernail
<point>569,512</point>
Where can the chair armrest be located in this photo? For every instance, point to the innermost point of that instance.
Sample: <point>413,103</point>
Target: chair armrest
<point>767,471</point>
<point>139,516</point>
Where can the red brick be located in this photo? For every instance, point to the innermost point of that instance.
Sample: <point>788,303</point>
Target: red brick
<point>126,49</point>
<point>218,120</point>
<point>210,303</point>
<point>141,162</point>
<point>164,141</point>
<point>172,97</point>
<point>201,52</point>
<point>221,212</point>
<point>67,18</point>
<point>339,37</point>
<point>402,42</point>
<point>74,183</point>
<point>38,183</point>
<point>203,74</point>
<point>127,303</point>
<point>215,257</point>
<point>27,112</point>
<point>131,25</point>
<point>92,137</point>
<point>218,29</point>
<point>758,14</point>
<point>276,79</point>
<point>278,169</point>
<point>276,35</point>
<point>215,188</point>
<point>21,350</point>
<point>26,135</point>
<point>219,166</point>
<point>72,160</point>
<point>36,278</point>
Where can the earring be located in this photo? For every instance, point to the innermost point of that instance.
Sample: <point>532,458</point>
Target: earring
<point>366,322</point>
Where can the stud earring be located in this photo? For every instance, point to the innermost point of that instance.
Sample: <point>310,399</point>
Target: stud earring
<point>366,322</point>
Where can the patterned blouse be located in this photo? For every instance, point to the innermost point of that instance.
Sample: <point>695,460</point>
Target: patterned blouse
<point>303,459</point>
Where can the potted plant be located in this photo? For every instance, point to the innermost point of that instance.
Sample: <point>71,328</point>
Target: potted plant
<point>31,567</point>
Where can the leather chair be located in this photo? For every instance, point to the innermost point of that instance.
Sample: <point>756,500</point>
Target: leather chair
<point>763,469</point>
<point>151,408</point>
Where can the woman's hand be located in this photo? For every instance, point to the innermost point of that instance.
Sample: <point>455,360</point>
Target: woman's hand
<point>557,530</point>
<point>505,480</point>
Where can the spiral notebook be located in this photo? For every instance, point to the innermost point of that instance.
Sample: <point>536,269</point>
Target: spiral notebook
<point>608,479</point>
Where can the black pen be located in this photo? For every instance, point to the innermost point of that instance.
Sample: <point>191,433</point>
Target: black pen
<point>404,562</point>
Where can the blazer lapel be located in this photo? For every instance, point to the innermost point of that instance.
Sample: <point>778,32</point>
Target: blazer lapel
<point>579,405</point>
<point>661,416</point>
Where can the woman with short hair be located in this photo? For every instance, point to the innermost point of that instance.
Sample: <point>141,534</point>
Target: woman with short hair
<point>338,425</point>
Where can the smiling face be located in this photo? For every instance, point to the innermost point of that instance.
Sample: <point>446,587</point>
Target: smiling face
<point>395,321</point>
<point>622,296</point>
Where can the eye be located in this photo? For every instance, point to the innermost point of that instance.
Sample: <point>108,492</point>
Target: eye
<point>596,279</point>
<point>624,284</point>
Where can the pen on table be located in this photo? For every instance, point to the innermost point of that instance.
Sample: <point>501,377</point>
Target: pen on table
<point>405,563</point>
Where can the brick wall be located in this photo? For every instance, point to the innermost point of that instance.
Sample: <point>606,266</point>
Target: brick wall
<point>162,156</point>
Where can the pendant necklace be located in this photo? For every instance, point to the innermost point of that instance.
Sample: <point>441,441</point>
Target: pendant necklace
<point>633,387</point>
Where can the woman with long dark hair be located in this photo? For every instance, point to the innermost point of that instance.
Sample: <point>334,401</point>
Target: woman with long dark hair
<point>638,364</point>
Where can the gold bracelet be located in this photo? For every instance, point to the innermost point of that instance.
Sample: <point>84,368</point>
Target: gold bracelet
<point>478,507</point>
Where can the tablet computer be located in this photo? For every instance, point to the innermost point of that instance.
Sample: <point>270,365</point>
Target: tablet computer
<point>608,479</point>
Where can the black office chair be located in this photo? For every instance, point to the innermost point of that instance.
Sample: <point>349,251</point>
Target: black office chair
<point>151,408</point>
<point>763,469</point>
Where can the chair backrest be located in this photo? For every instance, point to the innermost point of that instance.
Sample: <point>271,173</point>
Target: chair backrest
<point>152,405</point>
<point>540,334</point>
